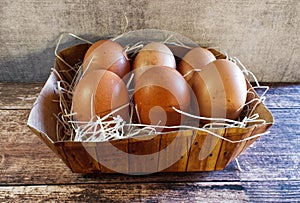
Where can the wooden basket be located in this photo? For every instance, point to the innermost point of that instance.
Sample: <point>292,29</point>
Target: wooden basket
<point>195,150</point>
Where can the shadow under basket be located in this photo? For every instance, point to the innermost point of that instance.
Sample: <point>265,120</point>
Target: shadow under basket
<point>177,151</point>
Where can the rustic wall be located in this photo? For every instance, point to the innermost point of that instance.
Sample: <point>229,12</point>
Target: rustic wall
<point>264,34</point>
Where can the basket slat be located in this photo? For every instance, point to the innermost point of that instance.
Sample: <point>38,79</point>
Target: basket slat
<point>214,144</point>
<point>247,132</point>
<point>59,146</point>
<point>204,151</point>
<point>143,154</point>
<point>174,151</point>
<point>81,157</point>
<point>113,155</point>
<point>227,150</point>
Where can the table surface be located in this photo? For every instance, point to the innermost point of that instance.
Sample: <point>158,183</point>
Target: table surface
<point>30,171</point>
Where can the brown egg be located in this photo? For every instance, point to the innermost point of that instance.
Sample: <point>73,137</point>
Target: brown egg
<point>220,89</point>
<point>196,58</point>
<point>107,55</point>
<point>98,93</point>
<point>153,54</point>
<point>156,92</point>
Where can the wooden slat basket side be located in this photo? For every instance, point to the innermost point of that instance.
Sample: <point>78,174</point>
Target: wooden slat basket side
<point>179,151</point>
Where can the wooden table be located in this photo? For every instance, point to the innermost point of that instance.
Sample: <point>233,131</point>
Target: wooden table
<point>30,171</point>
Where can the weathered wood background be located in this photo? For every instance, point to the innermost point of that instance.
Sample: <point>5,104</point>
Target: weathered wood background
<point>264,34</point>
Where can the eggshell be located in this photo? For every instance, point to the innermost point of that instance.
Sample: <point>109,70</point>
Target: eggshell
<point>220,89</point>
<point>107,55</point>
<point>156,92</point>
<point>98,93</point>
<point>196,58</point>
<point>153,54</point>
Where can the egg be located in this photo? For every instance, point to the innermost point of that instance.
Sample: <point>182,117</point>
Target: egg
<point>220,89</point>
<point>196,58</point>
<point>156,92</point>
<point>107,55</point>
<point>99,92</point>
<point>153,54</point>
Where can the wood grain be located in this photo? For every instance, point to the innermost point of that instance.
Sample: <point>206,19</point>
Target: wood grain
<point>19,95</point>
<point>282,95</point>
<point>18,146</point>
<point>158,192</point>
<point>267,191</point>
<point>30,171</point>
<point>113,155</point>
<point>153,192</point>
<point>262,34</point>
<point>74,150</point>
<point>147,161</point>
<point>172,144</point>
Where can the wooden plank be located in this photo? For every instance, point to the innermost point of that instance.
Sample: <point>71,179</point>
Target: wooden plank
<point>275,191</point>
<point>259,167</point>
<point>283,95</point>
<point>18,95</point>
<point>26,160</point>
<point>261,191</point>
<point>284,134</point>
<point>134,192</point>
<point>31,171</point>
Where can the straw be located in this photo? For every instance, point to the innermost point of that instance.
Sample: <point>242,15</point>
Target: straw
<point>111,127</point>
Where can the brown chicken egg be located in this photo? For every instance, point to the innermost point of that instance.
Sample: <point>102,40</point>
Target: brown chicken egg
<point>196,58</point>
<point>153,54</point>
<point>98,93</point>
<point>107,55</point>
<point>220,89</point>
<point>156,92</point>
